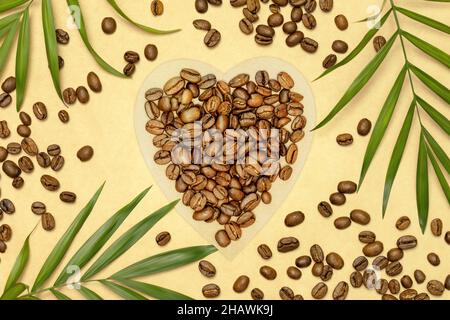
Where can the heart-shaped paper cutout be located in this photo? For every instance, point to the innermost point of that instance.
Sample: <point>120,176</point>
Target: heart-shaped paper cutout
<point>280,189</point>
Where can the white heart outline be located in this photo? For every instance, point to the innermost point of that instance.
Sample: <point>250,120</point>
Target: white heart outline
<point>273,66</point>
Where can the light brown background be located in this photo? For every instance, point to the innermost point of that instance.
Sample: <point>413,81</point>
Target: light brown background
<point>107,124</point>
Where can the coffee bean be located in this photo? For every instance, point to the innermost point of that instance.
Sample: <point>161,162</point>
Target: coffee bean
<point>263,40</point>
<point>25,118</point>
<point>433,259</point>
<point>212,38</point>
<point>70,96</point>
<point>5,233</point>
<point>402,223</point>
<point>296,14</point>
<point>407,242</point>
<point>3,154</point>
<point>257,294</point>
<point>360,263</point>
<point>373,249</point>
<point>294,219</point>
<point>211,291</point>
<point>11,169</point>
<point>287,244</point>
<point>50,183</point>
<point>406,282</point>
<point>25,164</point>
<point>356,279</point>
<point>43,160</point>
<point>329,61</point>
<point>268,272</point>
<point>14,148</point>
<point>290,27</point>
<point>339,46</point>
<point>275,20</point>
<point>325,209</point>
<point>364,127</point>
<point>85,153</point>
<point>62,37</point>
<point>338,199</point>
<point>341,22</point>
<point>335,261</point>
<point>447,282</point>
<point>380,262</point>
<point>241,284</point>
<point>309,21</point>
<point>342,223</point>
<point>294,273</point>
<point>82,94</point>
<point>435,287</point>
<point>367,237</point>
<point>131,57</point>
<point>319,291</point>
<point>18,182</point>
<point>157,7</point>
<point>201,6</point>
<point>57,163</point>
<point>326,5</point>
<point>378,43</point>
<point>394,286</point>
<point>408,294</point>
<point>395,254</point>
<point>94,82</point>
<point>3,247</point>
<point>202,24</point>
<point>388,297</point>
<point>222,238</point>
<point>347,187</point>
<point>294,38</point>
<point>151,52</point>
<point>7,206</point>
<point>382,286</point>
<point>109,25</point>
<point>303,261</point>
<point>67,197</point>
<point>129,69</point>
<point>394,268</point>
<point>54,150</point>
<point>344,139</point>
<point>264,251</point>
<point>422,296</point>
<point>447,237</point>
<point>266,31</point>
<point>4,129</point>
<point>40,111</point>
<point>23,131</point>
<point>163,238</point>
<point>316,253</point>
<point>9,85</point>
<point>359,216</point>
<point>286,293</point>
<point>5,100</point>
<point>233,231</point>
<point>419,276</point>
<point>60,62</point>
<point>341,291</point>
<point>38,208</point>
<point>246,26</point>
<point>207,269</point>
<point>48,221</point>
<point>436,227</point>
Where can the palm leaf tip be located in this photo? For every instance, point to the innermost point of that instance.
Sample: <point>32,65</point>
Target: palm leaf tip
<point>422,192</point>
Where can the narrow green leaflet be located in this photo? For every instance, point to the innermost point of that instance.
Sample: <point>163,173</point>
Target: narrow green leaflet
<point>84,36</point>
<point>123,292</point>
<point>422,193</point>
<point>360,81</point>
<point>429,49</point>
<point>438,151</point>
<point>89,294</point>
<point>6,46</point>
<point>19,265</point>
<point>13,292</point>
<point>127,240</point>
<point>365,40</point>
<point>432,83</point>
<point>29,298</point>
<point>397,155</point>
<point>6,5</point>
<point>59,295</point>
<point>382,123</point>
<point>116,7</point>
<point>154,291</point>
<point>425,20</point>
<point>438,117</point>
<point>51,47</point>
<point>92,246</point>
<point>164,261</point>
<point>22,56</point>
<point>64,243</point>
<point>442,181</point>
<point>6,21</point>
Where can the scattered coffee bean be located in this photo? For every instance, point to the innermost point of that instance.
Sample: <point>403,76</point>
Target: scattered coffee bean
<point>5,233</point>
<point>25,164</point>
<point>294,38</point>
<point>62,37</point>
<point>23,131</point>
<point>380,262</point>
<point>326,5</point>
<point>201,6</point>
<point>435,288</point>
<point>38,208</point>
<point>257,294</point>
<point>335,261</point>
<point>4,129</point>
<point>341,22</point>
<point>337,199</point>
<point>43,160</point>
<point>48,221</point>
<point>207,269</point>
<point>316,253</point>
<point>360,217</point>
<point>11,169</point>
<point>325,209</point>
<point>339,46</point>
<point>212,38</point>
<point>268,272</point>
<point>163,238</point>
<point>422,296</point>
<point>54,150</point>
<point>82,94</point>
<point>241,284</point>
<point>447,282</point>
<point>394,268</point>
<point>406,282</point>
<point>60,62</point>
<point>373,249</point>
<point>222,238</point>
<point>7,206</point>
<point>289,27</point>
<point>286,293</point>
<point>3,154</point>
<point>294,219</point>
<point>360,263</point>
<point>394,286</point>
<point>129,69</point>
<point>94,82</point>
<point>70,96</point>
<point>342,223</point>
<point>57,163</point>
<point>378,43</point>
<point>364,127</point>
<point>151,52</point>
<point>294,273</point>
<point>85,153</point>
<point>407,242</point>
<point>402,223</point>
<point>157,7</point>
<point>309,21</point>
<point>341,291</point>
<point>303,261</point>
<point>433,259</point>
<point>202,24</point>
<point>419,276</point>
<point>347,187</point>
<point>3,247</point>
<point>288,244</point>
<point>264,251</point>
<point>109,25</point>
<point>356,279</point>
<point>211,291</point>
<point>344,139</point>
<point>319,291</point>
<point>329,61</point>
<point>436,227</point>
<point>9,85</point>
<point>5,100</point>
<point>327,272</point>
<point>447,237</point>
<point>40,111</point>
<point>68,197</point>
<point>50,183</point>
<point>395,254</point>
<point>14,148</point>
<point>18,183</point>
<point>25,118</point>
<point>309,45</point>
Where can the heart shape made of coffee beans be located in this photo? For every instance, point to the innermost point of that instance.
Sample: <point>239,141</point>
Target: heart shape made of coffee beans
<point>279,190</point>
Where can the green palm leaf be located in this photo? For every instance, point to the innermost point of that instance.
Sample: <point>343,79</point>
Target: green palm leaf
<point>59,295</point>
<point>6,21</point>
<point>438,151</point>
<point>365,40</point>
<point>429,49</point>
<point>6,46</point>
<point>127,240</point>
<point>360,81</point>
<point>164,261</point>
<point>154,291</point>
<point>89,294</point>
<point>397,155</point>
<point>13,292</point>
<point>6,5</point>
<point>19,265</point>
<point>22,55</point>
<point>123,292</point>
<point>92,246</point>
<point>439,174</point>
<point>382,123</point>
<point>422,193</point>
<point>438,117</point>
<point>424,20</point>
<point>64,243</point>
<point>432,83</point>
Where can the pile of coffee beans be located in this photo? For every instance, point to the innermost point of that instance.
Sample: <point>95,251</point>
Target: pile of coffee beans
<point>189,106</point>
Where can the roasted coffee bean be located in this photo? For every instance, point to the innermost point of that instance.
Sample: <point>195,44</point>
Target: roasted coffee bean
<point>356,279</point>
<point>309,21</point>
<point>378,43</point>
<point>317,269</point>
<point>289,27</point>
<point>38,208</point>
<point>57,163</point>
<point>70,96</point>
<point>129,69</point>
<point>3,154</point>
<point>347,187</point>
<point>68,197</point>
<point>364,127</point>
<point>359,216</point>
<point>325,209</point>
<point>338,199</point>
<point>287,244</point>
<point>62,37</point>
<point>433,259</point>
<point>82,94</point>
<point>3,247</point>
<point>402,223</point>
<point>233,231</point>
<point>447,282</point>
<point>296,14</point>
<point>268,272</point>
<point>211,290</point>
<point>408,294</point>
<point>201,6</point>
<point>23,131</point>
<point>394,268</point>
<point>40,111</point>
<point>395,254</point>
<point>54,150</point>
<point>327,272</point>
<point>85,153</point>
<point>407,242</point>
<point>4,130</point>
<point>342,223</point>
<point>60,62</point>
<point>50,183</point>
<point>9,85</point>
<point>257,294</point>
<point>422,296</point>
<point>246,26</point>
<point>373,249</point>
<point>222,238</point>
<point>5,100</point>
<point>329,61</point>
<point>435,287</point>
<point>264,251</point>
<point>447,237</point>
<point>339,46</point>
<point>14,148</point>
<point>5,233</point>
<point>94,82</point>
<point>43,160</point>
<point>207,269</point>
<point>360,263</point>
<point>275,20</point>
<point>319,291</point>
<point>286,293</point>
<point>11,169</point>
<point>47,221</point>
<point>344,139</point>
<point>266,31</point>
<point>326,5</point>
<point>7,206</point>
<point>316,253</point>
<point>241,284</point>
<point>157,7</point>
<point>25,118</point>
<point>263,40</point>
<point>25,164</point>
<point>380,262</point>
<point>109,25</point>
<point>419,276</point>
<point>341,291</point>
<point>163,238</point>
<point>394,286</point>
<point>436,227</point>
<point>151,52</point>
<point>341,22</point>
<point>382,286</point>
<point>212,38</point>
<point>303,261</point>
<point>18,182</point>
<point>388,297</point>
<point>335,260</point>
<point>294,273</point>
<point>294,219</point>
<point>294,38</point>
<point>406,282</point>
<point>202,24</point>
<point>131,57</point>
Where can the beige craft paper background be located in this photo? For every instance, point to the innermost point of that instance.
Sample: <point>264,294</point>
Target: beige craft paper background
<point>107,124</point>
